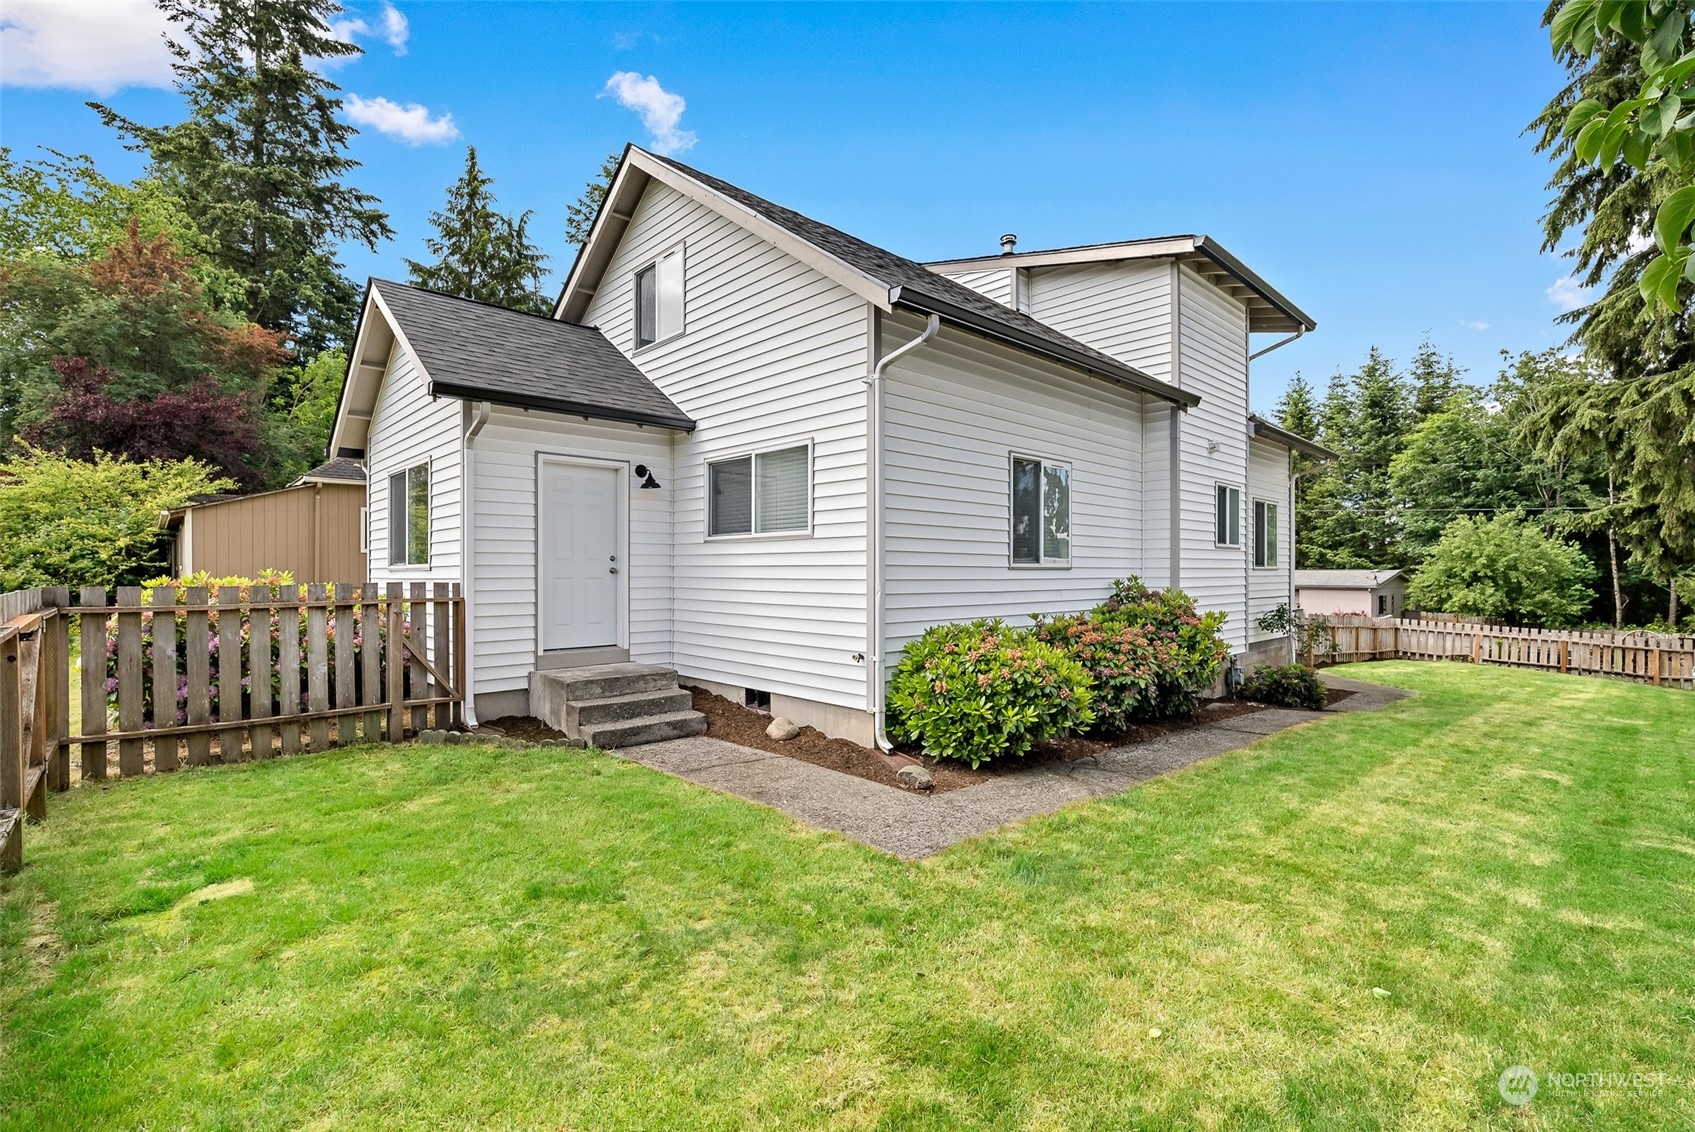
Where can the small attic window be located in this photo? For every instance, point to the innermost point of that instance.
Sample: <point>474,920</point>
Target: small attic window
<point>659,299</point>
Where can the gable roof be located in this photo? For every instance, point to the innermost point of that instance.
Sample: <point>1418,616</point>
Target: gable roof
<point>480,352</point>
<point>881,277</point>
<point>1344,579</point>
<point>1268,310</point>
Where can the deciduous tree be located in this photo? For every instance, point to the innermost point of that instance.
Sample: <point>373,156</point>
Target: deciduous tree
<point>1504,567</point>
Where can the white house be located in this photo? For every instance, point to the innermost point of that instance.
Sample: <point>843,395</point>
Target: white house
<point>1377,593</point>
<point>759,453</point>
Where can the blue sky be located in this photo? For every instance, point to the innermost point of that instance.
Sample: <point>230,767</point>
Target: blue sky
<point>1366,159</point>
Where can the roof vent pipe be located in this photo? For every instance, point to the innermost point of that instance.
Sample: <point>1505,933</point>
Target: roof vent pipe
<point>1008,242</point>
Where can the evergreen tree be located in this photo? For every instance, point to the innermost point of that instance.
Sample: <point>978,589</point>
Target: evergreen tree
<point>260,161</point>
<point>480,253</point>
<point>1434,378</point>
<point>1635,412</point>
<point>580,214</point>
<point>1298,412</point>
<point>1355,521</point>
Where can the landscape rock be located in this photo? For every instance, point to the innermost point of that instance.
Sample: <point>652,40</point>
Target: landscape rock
<point>916,777</point>
<point>782,729</point>
<point>432,737</point>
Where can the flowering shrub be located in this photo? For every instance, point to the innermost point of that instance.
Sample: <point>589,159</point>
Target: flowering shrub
<point>1196,652</point>
<point>1124,662</point>
<point>1287,685</point>
<point>985,691</point>
<point>271,585</point>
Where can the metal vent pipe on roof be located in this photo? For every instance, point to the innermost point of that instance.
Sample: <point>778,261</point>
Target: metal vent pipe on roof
<point>1008,243</point>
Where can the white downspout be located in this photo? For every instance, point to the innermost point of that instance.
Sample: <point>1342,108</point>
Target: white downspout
<point>467,546</point>
<point>874,527</point>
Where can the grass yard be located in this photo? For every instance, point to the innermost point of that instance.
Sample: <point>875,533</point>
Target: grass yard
<point>1357,924</point>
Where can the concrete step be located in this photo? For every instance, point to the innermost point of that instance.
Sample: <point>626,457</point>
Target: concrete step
<point>600,681</point>
<point>645,729</point>
<point>615,709</point>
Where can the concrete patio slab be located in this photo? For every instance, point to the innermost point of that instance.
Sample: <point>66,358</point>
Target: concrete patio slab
<point>916,825</point>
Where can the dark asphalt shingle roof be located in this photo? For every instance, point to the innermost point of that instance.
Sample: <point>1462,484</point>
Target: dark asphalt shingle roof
<point>482,352</point>
<point>340,469</point>
<point>913,278</point>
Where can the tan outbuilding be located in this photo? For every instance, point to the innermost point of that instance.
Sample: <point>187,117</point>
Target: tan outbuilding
<point>313,528</point>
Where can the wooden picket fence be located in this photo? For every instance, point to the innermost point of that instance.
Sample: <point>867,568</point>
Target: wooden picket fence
<point>169,680</point>
<point>1663,659</point>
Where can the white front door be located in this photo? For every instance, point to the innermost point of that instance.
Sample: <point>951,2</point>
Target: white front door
<point>581,568</point>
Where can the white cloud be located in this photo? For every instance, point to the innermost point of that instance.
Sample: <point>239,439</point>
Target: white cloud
<point>1638,242</point>
<point>1567,294</point>
<point>661,111</point>
<point>391,27</point>
<point>411,123</point>
<point>1472,324</point>
<point>97,47</point>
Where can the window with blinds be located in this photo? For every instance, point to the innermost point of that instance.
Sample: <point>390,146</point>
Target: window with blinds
<point>760,493</point>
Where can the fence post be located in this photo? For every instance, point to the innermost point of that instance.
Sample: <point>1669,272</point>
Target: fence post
<point>1477,648</point>
<point>130,751</point>
<point>11,753</point>
<point>440,614</point>
<point>288,671</point>
<point>92,625</point>
<point>1654,664</point>
<point>229,674</point>
<point>346,726</point>
<point>394,663</point>
<point>318,663</point>
<point>1565,654</point>
<point>197,656</point>
<point>418,626</point>
<point>461,669</point>
<point>165,747</point>
<point>371,659</point>
<point>259,669</point>
<point>59,671</point>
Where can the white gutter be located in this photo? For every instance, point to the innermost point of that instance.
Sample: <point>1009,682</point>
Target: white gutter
<point>479,412</point>
<point>1277,345</point>
<point>874,528</point>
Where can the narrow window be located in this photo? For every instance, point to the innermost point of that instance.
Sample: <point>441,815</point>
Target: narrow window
<point>1265,533</point>
<point>1041,512</point>
<point>765,493</point>
<point>409,517</point>
<point>659,299</point>
<point>1382,605</point>
<point>647,306</point>
<point>1228,516</point>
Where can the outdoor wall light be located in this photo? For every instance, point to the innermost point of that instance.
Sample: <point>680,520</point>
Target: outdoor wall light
<point>647,477</point>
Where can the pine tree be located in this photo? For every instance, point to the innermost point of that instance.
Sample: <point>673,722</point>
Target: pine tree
<point>260,161</point>
<point>480,253</point>
<point>1297,411</point>
<point>1434,378</point>
<point>580,214</point>
<point>1353,517</point>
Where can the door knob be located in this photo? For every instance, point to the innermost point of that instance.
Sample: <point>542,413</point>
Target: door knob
<point>612,569</point>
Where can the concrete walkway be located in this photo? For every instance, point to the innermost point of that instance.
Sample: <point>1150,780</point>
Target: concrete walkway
<point>916,825</point>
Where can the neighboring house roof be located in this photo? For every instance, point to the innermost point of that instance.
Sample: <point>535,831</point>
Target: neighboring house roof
<point>882,277</point>
<point>339,470</point>
<point>1279,435</point>
<point>1268,311</point>
<point>1344,579</point>
<point>172,519</point>
<point>480,352</point>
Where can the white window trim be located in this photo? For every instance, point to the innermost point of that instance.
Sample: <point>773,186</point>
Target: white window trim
<point>1237,545</point>
<point>1275,563</point>
<point>428,464</point>
<point>753,498</point>
<point>1044,562</point>
<point>680,248</point>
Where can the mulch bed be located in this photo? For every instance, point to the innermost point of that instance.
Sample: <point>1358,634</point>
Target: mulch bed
<point>524,727</point>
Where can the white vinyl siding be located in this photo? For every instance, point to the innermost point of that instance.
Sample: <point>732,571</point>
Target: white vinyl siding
<point>954,410</point>
<point>774,353</point>
<point>505,523</point>
<point>1268,481</point>
<point>1122,309</point>
<point>996,283</point>
<point>410,429</point>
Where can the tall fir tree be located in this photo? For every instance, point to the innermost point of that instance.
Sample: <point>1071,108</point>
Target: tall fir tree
<point>580,213</point>
<point>481,253</point>
<point>1298,411</point>
<point>1637,413</point>
<point>261,160</point>
<point>1435,378</point>
<point>1353,518</point>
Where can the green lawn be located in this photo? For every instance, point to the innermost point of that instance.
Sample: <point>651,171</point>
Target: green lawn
<point>1357,924</point>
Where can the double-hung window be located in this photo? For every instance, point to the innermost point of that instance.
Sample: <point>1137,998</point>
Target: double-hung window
<point>1041,512</point>
<point>409,517</point>
<point>659,299</point>
<point>761,493</point>
<point>1265,533</point>
<point>1227,516</point>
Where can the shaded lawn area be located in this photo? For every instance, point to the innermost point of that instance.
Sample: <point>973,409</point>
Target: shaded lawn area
<point>460,936</point>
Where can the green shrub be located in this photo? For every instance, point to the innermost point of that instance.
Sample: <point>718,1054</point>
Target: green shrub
<point>1192,653</point>
<point>1286,685</point>
<point>985,691</point>
<point>1124,661</point>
